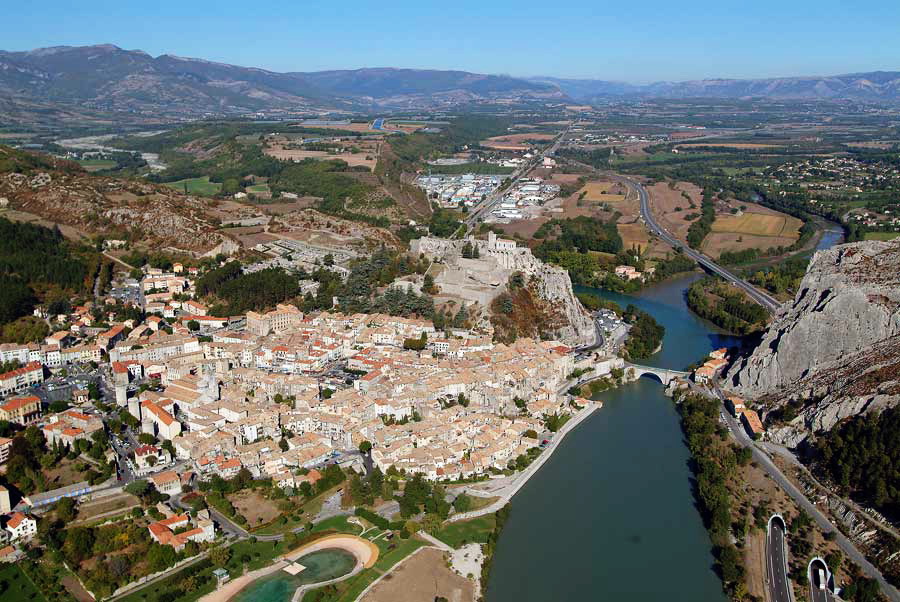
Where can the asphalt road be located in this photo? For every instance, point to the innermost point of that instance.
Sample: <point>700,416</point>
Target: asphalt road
<point>760,297</point>
<point>846,546</point>
<point>776,564</point>
<point>816,594</point>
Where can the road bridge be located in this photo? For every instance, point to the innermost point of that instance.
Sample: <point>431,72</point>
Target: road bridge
<point>665,376</point>
<point>764,299</point>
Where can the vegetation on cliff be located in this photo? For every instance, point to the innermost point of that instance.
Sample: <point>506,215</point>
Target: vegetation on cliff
<point>861,456</point>
<point>522,313</point>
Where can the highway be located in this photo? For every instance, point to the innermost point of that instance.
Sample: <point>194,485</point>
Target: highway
<point>479,210</point>
<point>815,593</point>
<point>766,464</point>
<point>776,563</point>
<point>760,297</point>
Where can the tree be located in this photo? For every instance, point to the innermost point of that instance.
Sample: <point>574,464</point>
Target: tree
<point>146,439</point>
<point>283,444</point>
<point>79,544</point>
<point>65,509</point>
<point>219,556</point>
<point>365,447</point>
<point>140,488</point>
<point>193,325</point>
<point>462,503</point>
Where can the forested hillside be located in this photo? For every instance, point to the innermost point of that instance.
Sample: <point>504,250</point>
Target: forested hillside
<point>862,455</point>
<point>38,265</point>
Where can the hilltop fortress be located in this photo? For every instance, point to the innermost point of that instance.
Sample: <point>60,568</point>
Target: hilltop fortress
<point>480,280</point>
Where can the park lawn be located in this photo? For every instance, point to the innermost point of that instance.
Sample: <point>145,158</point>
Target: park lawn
<point>481,502</point>
<point>475,530</point>
<point>19,586</point>
<point>338,523</point>
<point>881,235</point>
<point>201,186</point>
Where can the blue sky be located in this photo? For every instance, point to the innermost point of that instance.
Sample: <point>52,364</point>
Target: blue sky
<point>630,41</point>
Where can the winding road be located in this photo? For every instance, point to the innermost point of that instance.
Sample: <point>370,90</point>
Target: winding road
<point>765,463</point>
<point>760,297</point>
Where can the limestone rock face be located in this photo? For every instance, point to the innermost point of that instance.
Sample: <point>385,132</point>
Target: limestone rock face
<point>483,279</point>
<point>836,347</point>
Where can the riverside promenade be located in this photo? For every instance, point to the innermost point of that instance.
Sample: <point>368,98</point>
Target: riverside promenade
<point>512,485</point>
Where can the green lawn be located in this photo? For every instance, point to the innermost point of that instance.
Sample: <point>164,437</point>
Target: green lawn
<point>467,531</point>
<point>18,585</point>
<point>881,235</point>
<point>338,523</point>
<point>258,188</point>
<point>201,186</point>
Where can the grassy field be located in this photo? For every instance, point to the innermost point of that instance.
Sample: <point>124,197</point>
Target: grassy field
<point>18,585</point>
<point>201,186</point>
<point>258,189</point>
<point>97,164</point>
<point>881,235</point>
<point>467,531</point>
<point>759,225</point>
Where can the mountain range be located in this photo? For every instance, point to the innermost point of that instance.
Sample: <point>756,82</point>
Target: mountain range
<point>108,78</point>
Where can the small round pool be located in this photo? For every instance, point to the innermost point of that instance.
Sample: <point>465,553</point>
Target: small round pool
<point>280,587</point>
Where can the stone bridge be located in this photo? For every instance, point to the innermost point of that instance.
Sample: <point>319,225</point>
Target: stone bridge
<point>663,375</point>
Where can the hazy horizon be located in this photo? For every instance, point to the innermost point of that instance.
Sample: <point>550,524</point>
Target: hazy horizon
<point>583,40</point>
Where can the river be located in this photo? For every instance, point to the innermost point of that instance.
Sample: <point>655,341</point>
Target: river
<point>611,515</point>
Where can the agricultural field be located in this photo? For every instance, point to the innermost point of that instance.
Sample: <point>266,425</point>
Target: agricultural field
<point>881,235</point>
<point>634,235</point>
<point>97,164</point>
<point>758,227</point>
<point>201,186</point>
<point>735,145</point>
<point>759,224</point>
<point>671,205</point>
<point>603,192</point>
<point>515,142</point>
<point>358,153</point>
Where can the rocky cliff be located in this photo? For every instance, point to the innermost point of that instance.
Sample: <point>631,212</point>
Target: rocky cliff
<point>481,280</point>
<point>834,351</point>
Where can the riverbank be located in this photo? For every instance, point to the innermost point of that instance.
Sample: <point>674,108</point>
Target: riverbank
<point>515,483</point>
